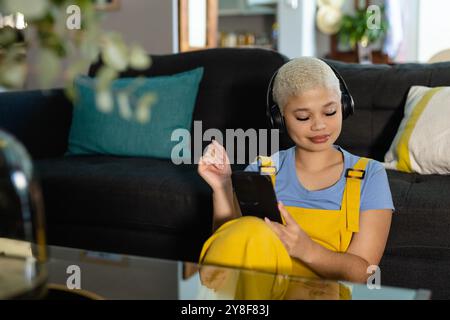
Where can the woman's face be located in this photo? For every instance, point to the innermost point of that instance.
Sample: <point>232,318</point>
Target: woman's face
<point>314,119</point>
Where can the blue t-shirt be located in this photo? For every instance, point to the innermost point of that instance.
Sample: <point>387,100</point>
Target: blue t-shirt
<point>375,190</point>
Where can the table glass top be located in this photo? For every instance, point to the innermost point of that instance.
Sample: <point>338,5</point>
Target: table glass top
<point>115,276</point>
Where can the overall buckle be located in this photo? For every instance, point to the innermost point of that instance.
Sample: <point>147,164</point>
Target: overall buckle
<point>268,170</point>
<point>360,174</point>
<point>265,169</point>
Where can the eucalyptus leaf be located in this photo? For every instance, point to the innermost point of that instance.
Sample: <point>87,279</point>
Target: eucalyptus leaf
<point>105,75</point>
<point>104,101</point>
<point>69,91</point>
<point>89,47</point>
<point>15,53</point>
<point>115,53</point>
<point>13,75</point>
<point>123,100</point>
<point>91,17</point>
<point>143,108</point>
<point>75,69</point>
<point>7,37</point>
<point>48,67</point>
<point>143,114</point>
<point>139,59</point>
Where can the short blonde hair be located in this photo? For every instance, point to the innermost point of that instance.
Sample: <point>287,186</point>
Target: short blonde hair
<point>300,75</point>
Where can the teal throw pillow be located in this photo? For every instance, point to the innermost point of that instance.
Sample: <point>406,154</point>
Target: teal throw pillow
<point>109,133</point>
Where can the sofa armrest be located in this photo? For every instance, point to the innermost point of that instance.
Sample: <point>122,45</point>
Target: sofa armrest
<point>39,119</point>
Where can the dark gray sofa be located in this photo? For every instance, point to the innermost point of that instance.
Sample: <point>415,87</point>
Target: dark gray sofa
<point>151,207</point>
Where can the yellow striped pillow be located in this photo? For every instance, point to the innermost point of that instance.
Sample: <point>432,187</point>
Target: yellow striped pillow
<point>422,143</point>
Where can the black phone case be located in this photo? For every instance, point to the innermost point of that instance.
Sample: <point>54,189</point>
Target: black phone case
<point>256,195</point>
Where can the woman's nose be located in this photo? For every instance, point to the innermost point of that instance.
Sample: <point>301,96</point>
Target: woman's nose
<point>317,125</point>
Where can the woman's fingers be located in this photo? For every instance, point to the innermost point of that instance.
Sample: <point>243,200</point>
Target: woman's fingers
<point>218,153</point>
<point>221,153</point>
<point>205,162</point>
<point>275,226</point>
<point>215,155</point>
<point>210,153</point>
<point>286,215</point>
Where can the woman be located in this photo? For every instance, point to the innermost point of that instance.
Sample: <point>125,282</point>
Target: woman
<point>336,224</point>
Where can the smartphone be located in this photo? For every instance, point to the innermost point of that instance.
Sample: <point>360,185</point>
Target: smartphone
<point>256,195</point>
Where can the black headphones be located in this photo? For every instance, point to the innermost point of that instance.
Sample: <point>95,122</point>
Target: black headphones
<point>273,111</point>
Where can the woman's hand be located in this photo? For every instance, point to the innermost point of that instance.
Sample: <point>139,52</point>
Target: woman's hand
<point>295,240</point>
<point>214,166</point>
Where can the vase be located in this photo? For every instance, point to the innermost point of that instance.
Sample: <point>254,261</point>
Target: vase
<point>364,53</point>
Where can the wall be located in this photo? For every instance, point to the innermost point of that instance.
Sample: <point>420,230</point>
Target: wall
<point>153,24</point>
<point>434,28</point>
<point>408,51</point>
<point>297,34</point>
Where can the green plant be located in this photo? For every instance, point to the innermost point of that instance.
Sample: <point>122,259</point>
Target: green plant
<point>59,33</point>
<point>355,28</point>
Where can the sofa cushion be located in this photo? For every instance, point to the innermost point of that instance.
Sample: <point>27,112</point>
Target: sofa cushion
<point>422,218</point>
<point>401,267</point>
<point>121,132</point>
<point>422,142</point>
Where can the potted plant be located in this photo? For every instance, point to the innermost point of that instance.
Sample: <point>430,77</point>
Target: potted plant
<point>361,30</point>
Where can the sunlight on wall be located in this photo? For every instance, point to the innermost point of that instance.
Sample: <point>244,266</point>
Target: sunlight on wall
<point>197,23</point>
<point>434,28</point>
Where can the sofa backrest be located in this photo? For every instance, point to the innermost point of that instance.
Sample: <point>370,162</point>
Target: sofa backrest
<point>380,93</point>
<point>40,119</point>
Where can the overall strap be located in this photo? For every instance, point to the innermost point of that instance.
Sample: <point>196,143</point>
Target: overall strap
<point>354,177</point>
<point>266,167</point>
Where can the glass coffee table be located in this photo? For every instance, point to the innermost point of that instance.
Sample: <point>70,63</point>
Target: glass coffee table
<point>97,275</point>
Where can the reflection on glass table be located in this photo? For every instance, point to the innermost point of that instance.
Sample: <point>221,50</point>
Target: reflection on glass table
<point>234,284</point>
<point>114,276</point>
<point>218,283</point>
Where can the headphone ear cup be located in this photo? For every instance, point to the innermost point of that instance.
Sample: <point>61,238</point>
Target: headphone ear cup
<point>277,119</point>
<point>348,107</point>
<point>344,108</point>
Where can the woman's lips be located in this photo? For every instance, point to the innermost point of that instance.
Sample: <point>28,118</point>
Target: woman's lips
<point>320,139</point>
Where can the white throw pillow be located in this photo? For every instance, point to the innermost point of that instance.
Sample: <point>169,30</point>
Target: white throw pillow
<point>422,143</point>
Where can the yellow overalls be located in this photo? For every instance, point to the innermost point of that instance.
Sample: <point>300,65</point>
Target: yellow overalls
<point>248,243</point>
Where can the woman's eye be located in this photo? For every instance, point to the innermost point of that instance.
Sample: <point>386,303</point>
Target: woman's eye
<point>331,114</point>
<point>302,119</point>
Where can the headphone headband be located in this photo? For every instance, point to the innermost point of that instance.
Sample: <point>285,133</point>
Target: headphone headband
<point>270,103</point>
<point>273,111</point>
